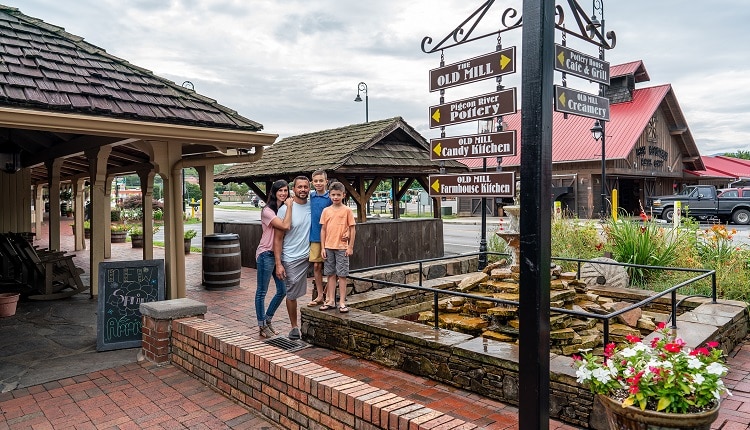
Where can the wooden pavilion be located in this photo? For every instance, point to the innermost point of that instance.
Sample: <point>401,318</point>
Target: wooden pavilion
<point>361,156</point>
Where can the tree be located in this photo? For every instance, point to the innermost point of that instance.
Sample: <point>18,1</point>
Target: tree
<point>745,155</point>
<point>193,191</point>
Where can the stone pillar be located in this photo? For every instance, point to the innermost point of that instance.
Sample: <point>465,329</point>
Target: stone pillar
<point>157,323</point>
<point>206,182</point>
<point>78,214</point>
<point>97,158</point>
<point>107,217</point>
<point>147,198</point>
<point>53,178</point>
<point>38,209</point>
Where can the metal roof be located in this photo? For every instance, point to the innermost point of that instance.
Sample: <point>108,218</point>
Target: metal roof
<point>635,68</point>
<point>724,167</point>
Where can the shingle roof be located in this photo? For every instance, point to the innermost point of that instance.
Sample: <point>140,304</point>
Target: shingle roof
<point>389,145</point>
<point>571,138</point>
<point>44,67</point>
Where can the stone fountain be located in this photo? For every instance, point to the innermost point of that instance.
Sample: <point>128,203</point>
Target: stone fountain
<point>510,230</point>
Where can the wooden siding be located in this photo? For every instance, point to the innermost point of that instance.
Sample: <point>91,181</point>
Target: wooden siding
<point>377,242</point>
<point>16,188</point>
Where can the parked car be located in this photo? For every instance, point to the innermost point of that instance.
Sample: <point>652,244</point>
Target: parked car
<point>702,202</point>
<point>216,200</point>
<point>257,202</point>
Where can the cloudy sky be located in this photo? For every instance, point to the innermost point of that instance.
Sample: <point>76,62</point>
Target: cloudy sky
<point>294,65</point>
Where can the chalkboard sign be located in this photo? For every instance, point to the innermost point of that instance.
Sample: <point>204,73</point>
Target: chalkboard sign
<point>123,286</point>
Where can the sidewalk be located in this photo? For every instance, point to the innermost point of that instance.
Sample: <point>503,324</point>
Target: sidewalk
<point>141,395</point>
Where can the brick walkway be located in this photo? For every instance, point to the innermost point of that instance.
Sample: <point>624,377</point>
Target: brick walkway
<point>167,398</point>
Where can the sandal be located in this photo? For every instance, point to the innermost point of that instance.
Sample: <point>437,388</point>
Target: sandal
<point>326,307</point>
<point>315,303</point>
<point>343,309</point>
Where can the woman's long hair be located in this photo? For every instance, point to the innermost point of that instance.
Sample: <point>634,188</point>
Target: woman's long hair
<point>272,201</point>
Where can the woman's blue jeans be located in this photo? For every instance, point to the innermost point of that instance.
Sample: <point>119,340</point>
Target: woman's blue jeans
<point>266,266</point>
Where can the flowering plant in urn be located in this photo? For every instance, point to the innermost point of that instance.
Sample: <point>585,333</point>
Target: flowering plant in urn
<point>661,375</point>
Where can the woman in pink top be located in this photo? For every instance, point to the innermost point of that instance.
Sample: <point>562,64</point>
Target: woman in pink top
<point>278,195</point>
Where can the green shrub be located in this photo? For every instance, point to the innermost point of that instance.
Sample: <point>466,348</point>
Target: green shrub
<point>574,238</point>
<point>644,243</point>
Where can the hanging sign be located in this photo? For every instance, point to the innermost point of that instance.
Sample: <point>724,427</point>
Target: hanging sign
<point>575,102</point>
<point>486,66</point>
<point>474,108</point>
<point>500,144</point>
<point>495,184</point>
<point>584,66</point>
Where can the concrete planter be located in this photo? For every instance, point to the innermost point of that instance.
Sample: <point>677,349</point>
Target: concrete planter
<point>8,303</point>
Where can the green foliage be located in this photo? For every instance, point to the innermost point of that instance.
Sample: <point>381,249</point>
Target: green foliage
<point>193,191</point>
<point>158,214</point>
<point>496,244</point>
<point>745,155</point>
<point>575,238</point>
<point>119,227</point>
<point>643,243</point>
<point>189,234</point>
<point>115,215</point>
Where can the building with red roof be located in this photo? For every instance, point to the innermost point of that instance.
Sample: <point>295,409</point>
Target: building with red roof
<point>649,148</point>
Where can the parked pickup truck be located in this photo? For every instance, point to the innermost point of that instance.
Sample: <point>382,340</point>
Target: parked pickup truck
<point>704,201</point>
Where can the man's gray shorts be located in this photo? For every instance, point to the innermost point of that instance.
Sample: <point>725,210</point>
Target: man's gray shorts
<point>296,277</point>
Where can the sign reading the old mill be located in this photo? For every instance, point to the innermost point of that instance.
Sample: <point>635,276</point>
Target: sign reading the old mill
<point>474,69</point>
<point>575,102</point>
<point>500,144</point>
<point>581,65</point>
<point>474,108</point>
<point>496,184</point>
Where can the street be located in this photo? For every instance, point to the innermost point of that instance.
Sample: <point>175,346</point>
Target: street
<point>461,235</point>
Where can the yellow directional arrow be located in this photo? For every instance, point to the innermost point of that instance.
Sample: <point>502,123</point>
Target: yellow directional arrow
<point>561,58</point>
<point>436,185</point>
<point>562,98</point>
<point>504,61</point>
<point>437,148</point>
<point>436,115</point>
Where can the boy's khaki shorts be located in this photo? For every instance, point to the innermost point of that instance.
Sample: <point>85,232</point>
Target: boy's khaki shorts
<point>315,256</point>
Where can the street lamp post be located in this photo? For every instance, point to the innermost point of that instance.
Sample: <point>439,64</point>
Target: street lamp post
<point>597,132</point>
<point>363,87</point>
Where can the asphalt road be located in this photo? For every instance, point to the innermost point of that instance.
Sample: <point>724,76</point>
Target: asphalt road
<point>459,236</point>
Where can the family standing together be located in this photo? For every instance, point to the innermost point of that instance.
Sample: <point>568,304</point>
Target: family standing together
<point>302,227</point>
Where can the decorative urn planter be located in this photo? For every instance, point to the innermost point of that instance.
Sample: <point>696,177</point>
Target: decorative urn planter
<point>8,303</point>
<point>633,418</point>
<point>187,245</point>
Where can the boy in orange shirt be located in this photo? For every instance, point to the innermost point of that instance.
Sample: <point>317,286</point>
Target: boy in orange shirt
<point>337,240</point>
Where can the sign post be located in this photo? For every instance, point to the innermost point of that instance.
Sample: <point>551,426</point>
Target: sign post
<point>486,66</point>
<point>500,144</point>
<point>496,184</point>
<point>474,108</point>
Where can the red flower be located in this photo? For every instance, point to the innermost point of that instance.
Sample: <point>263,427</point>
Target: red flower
<point>673,347</point>
<point>699,351</point>
<point>654,341</point>
<point>661,325</point>
<point>644,217</point>
<point>632,338</point>
<point>576,357</point>
<point>609,349</point>
<point>712,344</point>
<point>599,246</point>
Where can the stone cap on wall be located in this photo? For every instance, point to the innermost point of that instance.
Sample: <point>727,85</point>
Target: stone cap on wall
<point>173,309</point>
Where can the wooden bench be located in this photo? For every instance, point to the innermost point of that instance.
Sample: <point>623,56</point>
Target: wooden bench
<point>51,273</point>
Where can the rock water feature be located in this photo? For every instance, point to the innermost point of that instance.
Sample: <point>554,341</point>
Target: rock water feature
<point>568,333</point>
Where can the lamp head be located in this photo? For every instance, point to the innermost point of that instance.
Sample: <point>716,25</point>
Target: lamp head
<point>596,131</point>
<point>358,99</point>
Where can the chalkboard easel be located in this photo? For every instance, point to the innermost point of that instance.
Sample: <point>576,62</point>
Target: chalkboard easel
<point>123,286</point>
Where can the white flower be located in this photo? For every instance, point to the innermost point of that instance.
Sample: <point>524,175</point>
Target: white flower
<point>716,369</point>
<point>694,363</point>
<point>583,375</point>
<point>698,378</point>
<point>601,375</point>
<point>628,352</point>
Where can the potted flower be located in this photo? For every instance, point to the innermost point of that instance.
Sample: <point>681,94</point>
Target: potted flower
<point>657,383</point>
<point>87,229</point>
<point>189,235</point>
<point>136,235</point>
<point>118,233</point>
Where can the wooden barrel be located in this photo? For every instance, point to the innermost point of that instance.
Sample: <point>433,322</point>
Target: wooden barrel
<point>222,262</point>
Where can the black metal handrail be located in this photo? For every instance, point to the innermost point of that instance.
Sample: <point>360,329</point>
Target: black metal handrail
<point>605,318</point>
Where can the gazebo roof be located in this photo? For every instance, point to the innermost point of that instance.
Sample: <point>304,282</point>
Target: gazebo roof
<point>378,148</point>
